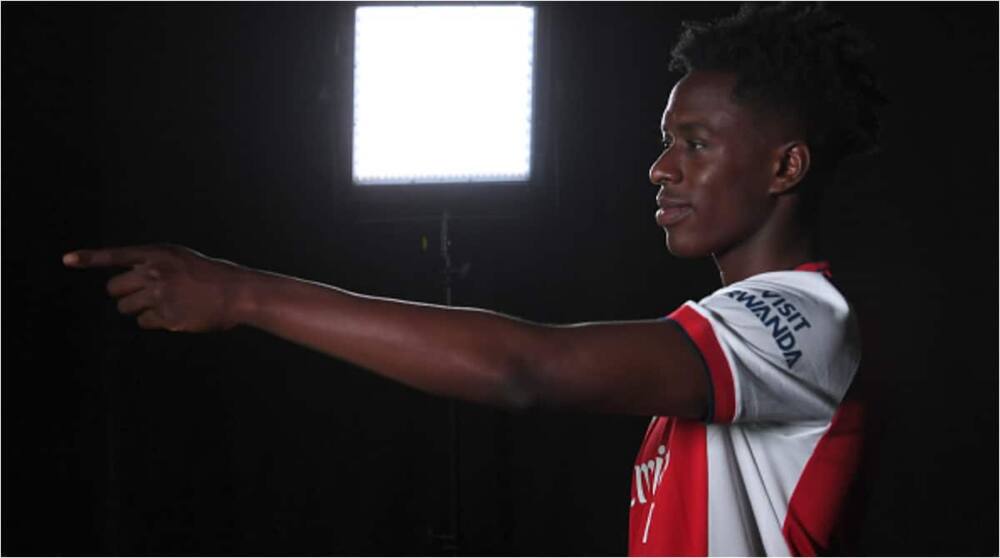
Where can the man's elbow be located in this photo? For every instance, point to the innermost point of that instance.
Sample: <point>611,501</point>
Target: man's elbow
<point>533,371</point>
<point>519,390</point>
<point>538,379</point>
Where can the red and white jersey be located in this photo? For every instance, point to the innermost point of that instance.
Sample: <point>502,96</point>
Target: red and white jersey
<point>768,473</point>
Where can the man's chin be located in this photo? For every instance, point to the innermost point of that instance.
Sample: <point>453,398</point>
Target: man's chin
<point>678,248</point>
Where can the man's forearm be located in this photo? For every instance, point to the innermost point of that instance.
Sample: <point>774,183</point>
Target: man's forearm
<point>471,354</point>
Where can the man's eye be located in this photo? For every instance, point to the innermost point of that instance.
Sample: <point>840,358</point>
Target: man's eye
<point>696,145</point>
<point>666,142</point>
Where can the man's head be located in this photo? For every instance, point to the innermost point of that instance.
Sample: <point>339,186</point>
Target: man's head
<point>785,92</point>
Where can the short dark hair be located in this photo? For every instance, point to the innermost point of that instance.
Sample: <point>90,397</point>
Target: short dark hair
<point>796,60</point>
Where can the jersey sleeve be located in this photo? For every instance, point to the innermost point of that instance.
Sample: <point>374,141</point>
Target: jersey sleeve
<point>774,353</point>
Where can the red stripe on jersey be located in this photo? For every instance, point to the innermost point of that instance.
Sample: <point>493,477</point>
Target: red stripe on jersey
<point>700,331</point>
<point>674,519</point>
<point>821,267</point>
<point>816,503</point>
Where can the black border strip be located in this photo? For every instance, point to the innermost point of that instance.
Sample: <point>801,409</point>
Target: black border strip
<point>710,414</point>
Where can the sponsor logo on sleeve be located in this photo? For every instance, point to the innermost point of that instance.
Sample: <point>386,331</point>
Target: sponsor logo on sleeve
<point>780,317</point>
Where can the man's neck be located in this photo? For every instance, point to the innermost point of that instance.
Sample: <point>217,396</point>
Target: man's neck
<point>778,249</point>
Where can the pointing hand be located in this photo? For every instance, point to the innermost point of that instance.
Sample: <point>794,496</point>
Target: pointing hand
<point>169,287</point>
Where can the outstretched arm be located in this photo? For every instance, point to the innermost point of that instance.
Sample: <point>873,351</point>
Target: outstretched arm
<point>641,367</point>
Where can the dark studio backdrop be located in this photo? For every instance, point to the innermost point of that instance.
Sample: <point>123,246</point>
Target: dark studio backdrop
<point>226,128</point>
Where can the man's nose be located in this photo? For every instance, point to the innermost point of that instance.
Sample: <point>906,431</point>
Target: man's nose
<point>664,169</point>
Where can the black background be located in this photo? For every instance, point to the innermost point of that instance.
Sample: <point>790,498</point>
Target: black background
<point>225,128</point>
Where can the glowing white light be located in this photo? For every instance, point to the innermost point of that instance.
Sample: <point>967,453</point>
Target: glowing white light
<point>442,94</point>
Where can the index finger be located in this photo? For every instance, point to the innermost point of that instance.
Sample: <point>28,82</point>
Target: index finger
<point>108,257</point>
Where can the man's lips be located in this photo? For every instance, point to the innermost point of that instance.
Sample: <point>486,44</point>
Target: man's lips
<point>671,212</point>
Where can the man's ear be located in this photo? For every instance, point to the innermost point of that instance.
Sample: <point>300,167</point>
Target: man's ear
<point>791,167</point>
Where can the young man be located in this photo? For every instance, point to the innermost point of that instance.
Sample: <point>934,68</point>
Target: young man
<point>753,443</point>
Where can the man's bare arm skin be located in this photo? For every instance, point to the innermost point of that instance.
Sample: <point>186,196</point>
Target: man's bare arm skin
<point>641,367</point>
